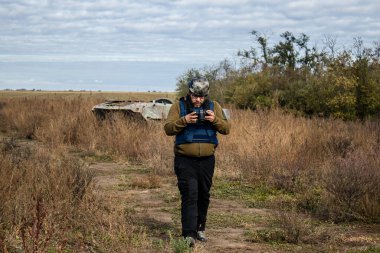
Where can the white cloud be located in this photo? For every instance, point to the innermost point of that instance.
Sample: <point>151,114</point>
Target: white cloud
<point>176,30</point>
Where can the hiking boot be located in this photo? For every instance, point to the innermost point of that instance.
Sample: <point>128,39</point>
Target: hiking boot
<point>201,236</point>
<point>190,241</point>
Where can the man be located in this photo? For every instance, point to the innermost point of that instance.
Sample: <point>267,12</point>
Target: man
<point>195,121</point>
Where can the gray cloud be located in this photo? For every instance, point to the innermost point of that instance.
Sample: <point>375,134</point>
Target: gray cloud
<point>47,24</point>
<point>195,31</point>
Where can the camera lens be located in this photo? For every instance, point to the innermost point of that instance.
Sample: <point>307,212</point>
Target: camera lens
<point>201,115</point>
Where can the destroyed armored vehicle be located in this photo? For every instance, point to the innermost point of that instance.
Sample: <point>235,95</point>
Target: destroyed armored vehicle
<point>153,110</point>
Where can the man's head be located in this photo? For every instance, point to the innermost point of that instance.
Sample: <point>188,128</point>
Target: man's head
<point>199,87</point>
<point>198,90</point>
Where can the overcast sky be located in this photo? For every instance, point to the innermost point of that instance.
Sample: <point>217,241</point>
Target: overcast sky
<point>146,45</point>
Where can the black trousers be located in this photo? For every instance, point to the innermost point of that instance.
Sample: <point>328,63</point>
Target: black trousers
<point>194,176</point>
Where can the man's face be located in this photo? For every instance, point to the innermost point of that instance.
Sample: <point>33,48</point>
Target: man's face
<point>197,101</point>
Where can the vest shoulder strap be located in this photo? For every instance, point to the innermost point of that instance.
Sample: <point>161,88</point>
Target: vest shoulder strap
<point>211,105</point>
<point>182,107</point>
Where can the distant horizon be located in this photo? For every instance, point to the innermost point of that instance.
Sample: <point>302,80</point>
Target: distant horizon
<point>107,76</point>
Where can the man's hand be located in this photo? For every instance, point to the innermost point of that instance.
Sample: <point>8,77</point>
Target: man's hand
<point>210,116</point>
<point>191,118</point>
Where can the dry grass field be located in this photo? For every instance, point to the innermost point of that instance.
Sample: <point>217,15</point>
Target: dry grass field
<point>71,183</point>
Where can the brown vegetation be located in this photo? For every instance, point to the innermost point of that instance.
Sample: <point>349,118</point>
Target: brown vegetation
<point>331,167</point>
<point>327,168</point>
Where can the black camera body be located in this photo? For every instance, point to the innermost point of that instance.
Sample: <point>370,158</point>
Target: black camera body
<point>200,113</point>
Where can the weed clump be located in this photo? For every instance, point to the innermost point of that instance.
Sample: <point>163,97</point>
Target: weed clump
<point>352,185</point>
<point>41,194</point>
<point>179,245</point>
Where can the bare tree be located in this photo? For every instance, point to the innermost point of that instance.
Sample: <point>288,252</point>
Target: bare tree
<point>330,43</point>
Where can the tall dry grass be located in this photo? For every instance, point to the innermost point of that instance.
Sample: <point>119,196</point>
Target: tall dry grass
<point>47,199</point>
<point>41,194</point>
<point>48,204</point>
<point>61,122</point>
<point>330,167</point>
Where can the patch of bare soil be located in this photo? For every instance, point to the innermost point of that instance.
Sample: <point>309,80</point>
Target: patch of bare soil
<point>157,208</point>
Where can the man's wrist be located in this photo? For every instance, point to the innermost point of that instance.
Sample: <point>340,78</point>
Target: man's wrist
<point>184,120</point>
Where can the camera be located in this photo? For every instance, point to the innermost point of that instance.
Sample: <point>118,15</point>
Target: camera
<point>201,114</point>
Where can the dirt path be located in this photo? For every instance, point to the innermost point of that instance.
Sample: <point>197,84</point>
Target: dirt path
<point>158,208</point>
<point>153,202</point>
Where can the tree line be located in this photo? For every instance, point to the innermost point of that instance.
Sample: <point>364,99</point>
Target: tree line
<point>338,82</point>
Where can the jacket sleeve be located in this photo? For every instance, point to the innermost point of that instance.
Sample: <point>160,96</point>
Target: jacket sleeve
<point>221,124</point>
<point>174,123</point>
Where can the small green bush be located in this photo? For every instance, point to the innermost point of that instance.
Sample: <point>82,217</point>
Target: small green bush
<point>179,245</point>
